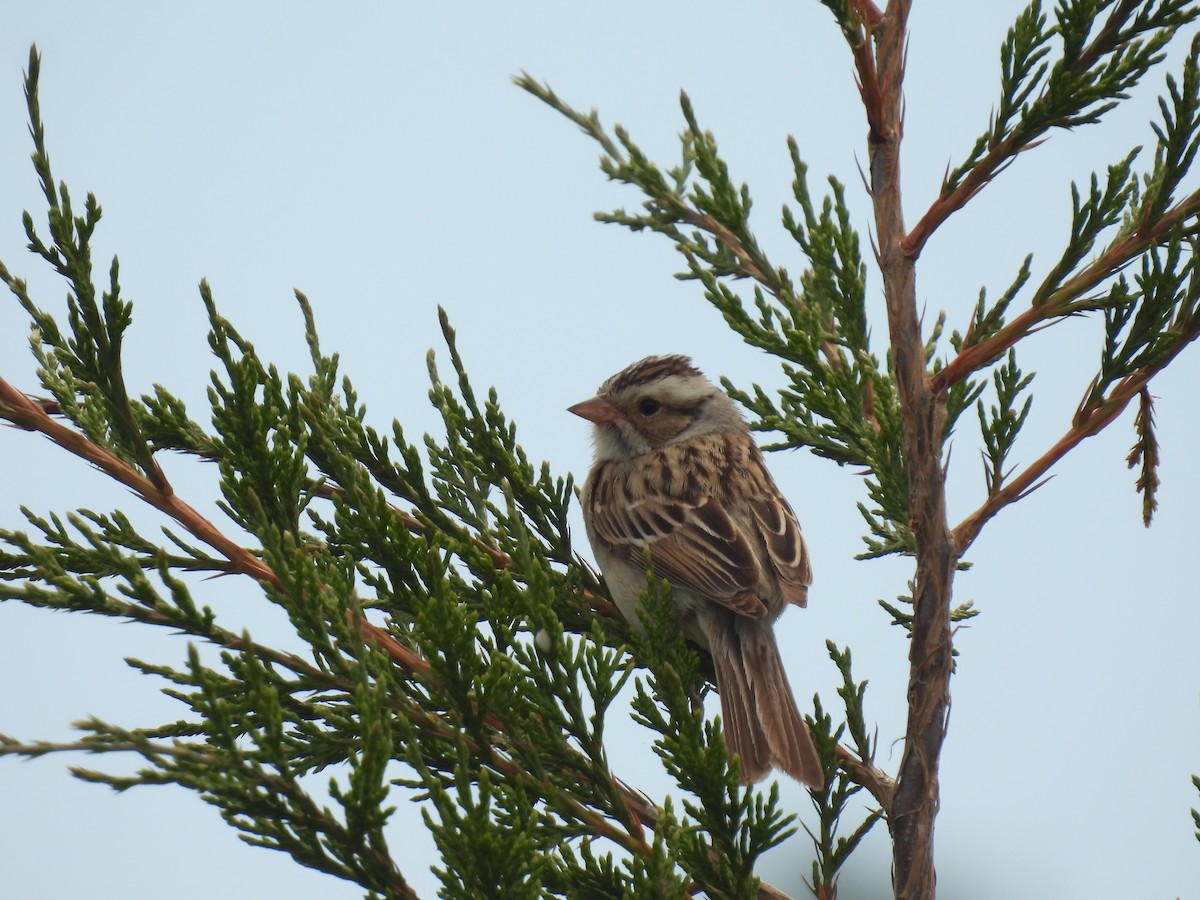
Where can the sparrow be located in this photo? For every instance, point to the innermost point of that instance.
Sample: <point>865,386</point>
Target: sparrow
<point>677,473</point>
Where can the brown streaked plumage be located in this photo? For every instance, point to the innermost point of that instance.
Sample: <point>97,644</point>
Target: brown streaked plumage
<point>677,472</point>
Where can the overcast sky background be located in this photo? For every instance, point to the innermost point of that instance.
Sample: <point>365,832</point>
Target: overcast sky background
<point>382,162</point>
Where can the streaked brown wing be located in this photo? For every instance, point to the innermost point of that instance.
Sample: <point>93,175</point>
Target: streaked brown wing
<point>694,543</point>
<point>709,554</point>
<point>786,549</point>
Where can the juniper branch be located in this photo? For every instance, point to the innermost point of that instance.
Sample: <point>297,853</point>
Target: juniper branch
<point>1100,62</point>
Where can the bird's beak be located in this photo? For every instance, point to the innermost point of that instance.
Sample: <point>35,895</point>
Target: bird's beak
<point>597,410</point>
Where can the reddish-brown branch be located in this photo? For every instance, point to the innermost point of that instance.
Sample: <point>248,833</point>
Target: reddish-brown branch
<point>916,797</point>
<point>500,559</point>
<point>29,415</point>
<point>947,204</point>
<point>748,268</point>
<point>992,348</point>
<point>32,415</point>
<point>402,656</point>
<point>1017,142</point>
<point>871,15</point>
<point>35,415</point>
<point>869,87</point>
<point>1059,302</point>
<point>1089,420</point>
<point>877,782</point>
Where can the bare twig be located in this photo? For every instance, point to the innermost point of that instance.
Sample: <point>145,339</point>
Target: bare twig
<point>869,87</point>
<point>980,176</point>
<point>877,782</point>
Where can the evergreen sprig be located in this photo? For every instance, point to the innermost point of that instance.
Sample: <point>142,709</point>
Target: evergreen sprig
<point>847,19</point>
<point>1105,49</point>
<point>1101,210</point>
<point>1195,813</point>
<point>1145,455</point>
<point>81,368</point>
<point>1002,421</point>
<point>1146,321</point>
<point>1178,138</point>
<point>987,320</point>
<point>832,802</point>
<point>902,616</point>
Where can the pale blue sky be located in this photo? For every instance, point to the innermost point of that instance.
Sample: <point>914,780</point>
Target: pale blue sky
<point>382,162</point>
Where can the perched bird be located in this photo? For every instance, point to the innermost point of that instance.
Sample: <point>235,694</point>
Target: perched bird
<point>676,471</point>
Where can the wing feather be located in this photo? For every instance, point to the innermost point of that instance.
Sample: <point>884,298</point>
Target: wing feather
<point>785,545</point>
<point>694,540</point>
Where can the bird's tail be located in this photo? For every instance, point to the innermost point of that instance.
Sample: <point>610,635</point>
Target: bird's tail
<point>762,724</point>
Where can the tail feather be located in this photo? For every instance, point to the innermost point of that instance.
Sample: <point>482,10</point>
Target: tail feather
<point>744,736</point>
<point>763,726</point>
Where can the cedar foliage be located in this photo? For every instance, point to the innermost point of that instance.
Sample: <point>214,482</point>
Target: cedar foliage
<point>457,652</point>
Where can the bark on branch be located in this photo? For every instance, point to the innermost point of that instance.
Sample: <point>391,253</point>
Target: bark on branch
<point>916,798</point>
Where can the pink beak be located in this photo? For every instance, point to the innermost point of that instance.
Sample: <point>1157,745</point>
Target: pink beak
<point>597,410</point>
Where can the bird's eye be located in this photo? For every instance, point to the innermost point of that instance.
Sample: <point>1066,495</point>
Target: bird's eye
<point>649,406</point>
